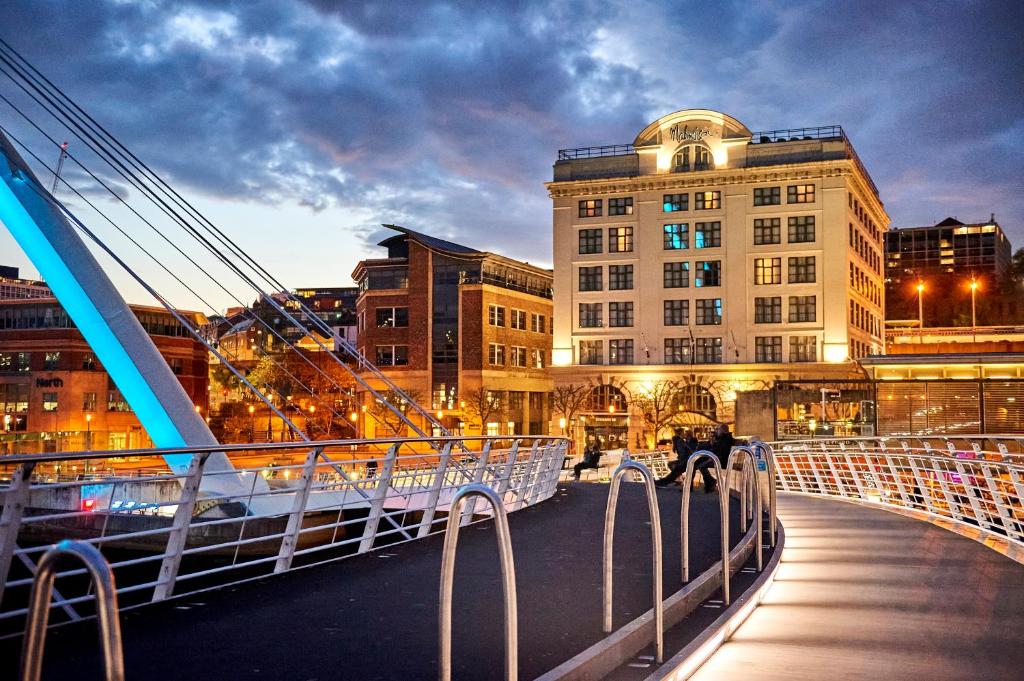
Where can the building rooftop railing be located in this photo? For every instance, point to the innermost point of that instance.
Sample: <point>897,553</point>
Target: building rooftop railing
<point>821,132</point>
<point>596,152</point>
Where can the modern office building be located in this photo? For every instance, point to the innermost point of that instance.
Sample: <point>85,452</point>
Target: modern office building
<point>466,333</point>
<point>54,393</point>
<point>944,259</point>
<point>715,256</point>
<point>12,287</point>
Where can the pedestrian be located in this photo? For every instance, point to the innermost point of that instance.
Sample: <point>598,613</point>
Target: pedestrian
<point>591,459</point>
<point>683,448</point>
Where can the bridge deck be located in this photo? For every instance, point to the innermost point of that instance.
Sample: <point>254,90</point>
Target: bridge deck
<point>863,593</point>
<point>375,616</point>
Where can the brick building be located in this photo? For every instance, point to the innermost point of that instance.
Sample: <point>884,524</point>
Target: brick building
<point>467,333</point>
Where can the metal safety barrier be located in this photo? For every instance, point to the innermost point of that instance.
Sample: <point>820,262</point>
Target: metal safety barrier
<point>102,578</point>
<point>960,482</point>
<point>316,502</point>
<point>749,486</point>
<point>508,579</point>
<point>656,550</point>
<point>684,513</point>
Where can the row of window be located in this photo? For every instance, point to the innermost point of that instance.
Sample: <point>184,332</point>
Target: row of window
<point>675,275</point>
<point>14,399</point>
<point>862,216</point>
<point>864,319</point>
<point>865,285</point>
<point>767,349</point>
<point>799,230</point>
<point>516,356</point>
<point>704,200</point>
<point>800,270</point>
<point>708,311</point>
<point>517,319</point>
<point>676,236</point>
<point>865,250</point>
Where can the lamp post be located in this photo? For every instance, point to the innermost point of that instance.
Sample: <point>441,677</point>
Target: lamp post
<point>920,312</point>
<point>88,431</point>
<point>252,423</point>
<point>974,315</point>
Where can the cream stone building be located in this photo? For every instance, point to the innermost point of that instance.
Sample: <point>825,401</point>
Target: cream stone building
<point>718,257</point>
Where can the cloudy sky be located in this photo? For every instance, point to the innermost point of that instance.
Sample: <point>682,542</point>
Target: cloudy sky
<point>299,127</point>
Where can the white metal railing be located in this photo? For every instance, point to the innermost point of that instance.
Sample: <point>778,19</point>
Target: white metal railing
<point>322,501</point>
<point>964,482</point>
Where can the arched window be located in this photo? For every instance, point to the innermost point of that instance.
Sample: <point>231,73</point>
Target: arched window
<point>607,398</point>
<point>696,398</point>
<point>692,157</point>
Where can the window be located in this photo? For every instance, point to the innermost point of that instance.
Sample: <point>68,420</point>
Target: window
<point>590,352</point>
<point>801,229</point>
<point>620,314</point>
<point>801,270</point>
<point>672,203</point>
<point>590,208</point>
<point>116,401</point>
<point>518,356</point>
<point>392,317</point>
<point>89,363</point>
<point>590,241</point>
<point>708,351</point>
<point>496,315</point>
<point>677,237</point>
<point>52,361</point>
<point>538,358</point>
<point>768,310</point>
<point>15,361</point>
<point>537,324</point>
<point>768,349</point>
<point>49,401</point>
<point>709,311</point>
<point>767,196</point>
<point>707,234</point>
<point>708,273</point>
<point>392,355</point>
<point>767,231</point>
<point>800,193</point>
<point>623,206</point>
<point>692,157</point>
<point>88,401</point>
<point>496,354</point>
<point>518,320</point>
<point>620,277</point>
<point>767,270</point>
<point>620,239</point>
<point>677,274</point>
<point>590,315</point>
<point>708,200</point>
<point>677,351</point>
<point>677,312</point>
<point>176,364</point>
<point>803,349</point>
<point>590,278</point>
<point>620,351</point>
<point>802,309</point>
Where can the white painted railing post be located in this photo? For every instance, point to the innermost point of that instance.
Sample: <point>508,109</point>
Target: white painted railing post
<point>15,501</point>
<point>528,476</point>
<point>510,466</point>
<point>478,476</point>
<point>430,508</point>
<point>291,533</point>
<point>377,503</point>
<point>178,536</point>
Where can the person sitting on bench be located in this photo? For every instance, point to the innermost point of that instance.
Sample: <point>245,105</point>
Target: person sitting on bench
<point>591,457</point>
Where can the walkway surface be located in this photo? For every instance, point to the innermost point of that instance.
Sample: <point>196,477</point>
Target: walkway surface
<point>375,616</point>
<point>864,593</point>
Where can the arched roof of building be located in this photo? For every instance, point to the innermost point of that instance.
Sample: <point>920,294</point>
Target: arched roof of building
<point>735,128</point>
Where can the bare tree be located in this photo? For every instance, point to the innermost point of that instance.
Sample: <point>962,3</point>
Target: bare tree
<point>568,400</point>
<point>481,406</point>
<point>656,402</point>
<point>382,413</point>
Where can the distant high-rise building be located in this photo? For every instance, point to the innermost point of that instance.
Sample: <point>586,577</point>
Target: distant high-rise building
<point>951,246</point>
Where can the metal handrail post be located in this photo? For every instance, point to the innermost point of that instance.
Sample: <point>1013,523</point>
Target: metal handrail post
<point>102,578</point>
<point>609,536</point>
<point>379,496</point>
<point>290,541</point>
<point>759,512</point>
<point>178,537</point>
<point>506,475</point>
<point>478,479</point>
<point>769,456</point>
<point>435,491</point>
<point>15,501</point>
<point>684,513</point>
<point>508,580</point>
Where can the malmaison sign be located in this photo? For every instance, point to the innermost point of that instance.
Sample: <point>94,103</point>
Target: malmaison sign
<point>685,133</point>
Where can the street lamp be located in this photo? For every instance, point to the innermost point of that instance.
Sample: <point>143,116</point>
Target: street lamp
<point>88,431</point>
<point>920,312</point>
<point>252,423</point>
<point>974,316</point>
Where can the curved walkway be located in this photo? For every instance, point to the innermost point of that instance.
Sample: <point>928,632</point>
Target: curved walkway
<point>864,593</point>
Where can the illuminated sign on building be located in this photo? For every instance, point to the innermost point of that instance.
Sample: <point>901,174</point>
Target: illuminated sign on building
<point>685,134</point>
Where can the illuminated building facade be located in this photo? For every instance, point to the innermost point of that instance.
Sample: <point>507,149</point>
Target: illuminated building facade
<point>12,287</point>
<point>55,394</point>
<point>712,255</point>
<point>466,333</point>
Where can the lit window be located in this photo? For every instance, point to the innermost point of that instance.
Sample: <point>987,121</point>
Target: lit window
<point>707,234</point>
<point>620,240</point>
<point>623,206</point>
<point>692,157</point>
<point>800,193</point>
<point>708,273</point>
<point>590,208</point>
<point>672,203</point>
<point>708,200</point>
<point>767,271</point>
<point>677,237</point>
<point>392,317</point>
<point>49,401</point>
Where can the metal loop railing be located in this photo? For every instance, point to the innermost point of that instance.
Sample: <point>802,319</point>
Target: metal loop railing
<point>656,550</point>
<point>684,513</point>
<point>508,579</point>
<point>102,578</point>
<point>739,452</point>
<point>769,456</point>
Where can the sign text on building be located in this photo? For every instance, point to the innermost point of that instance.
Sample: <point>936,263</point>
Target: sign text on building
<point>684,134</point>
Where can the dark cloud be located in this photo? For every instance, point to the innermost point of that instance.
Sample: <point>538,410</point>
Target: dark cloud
<point>447,116</point>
